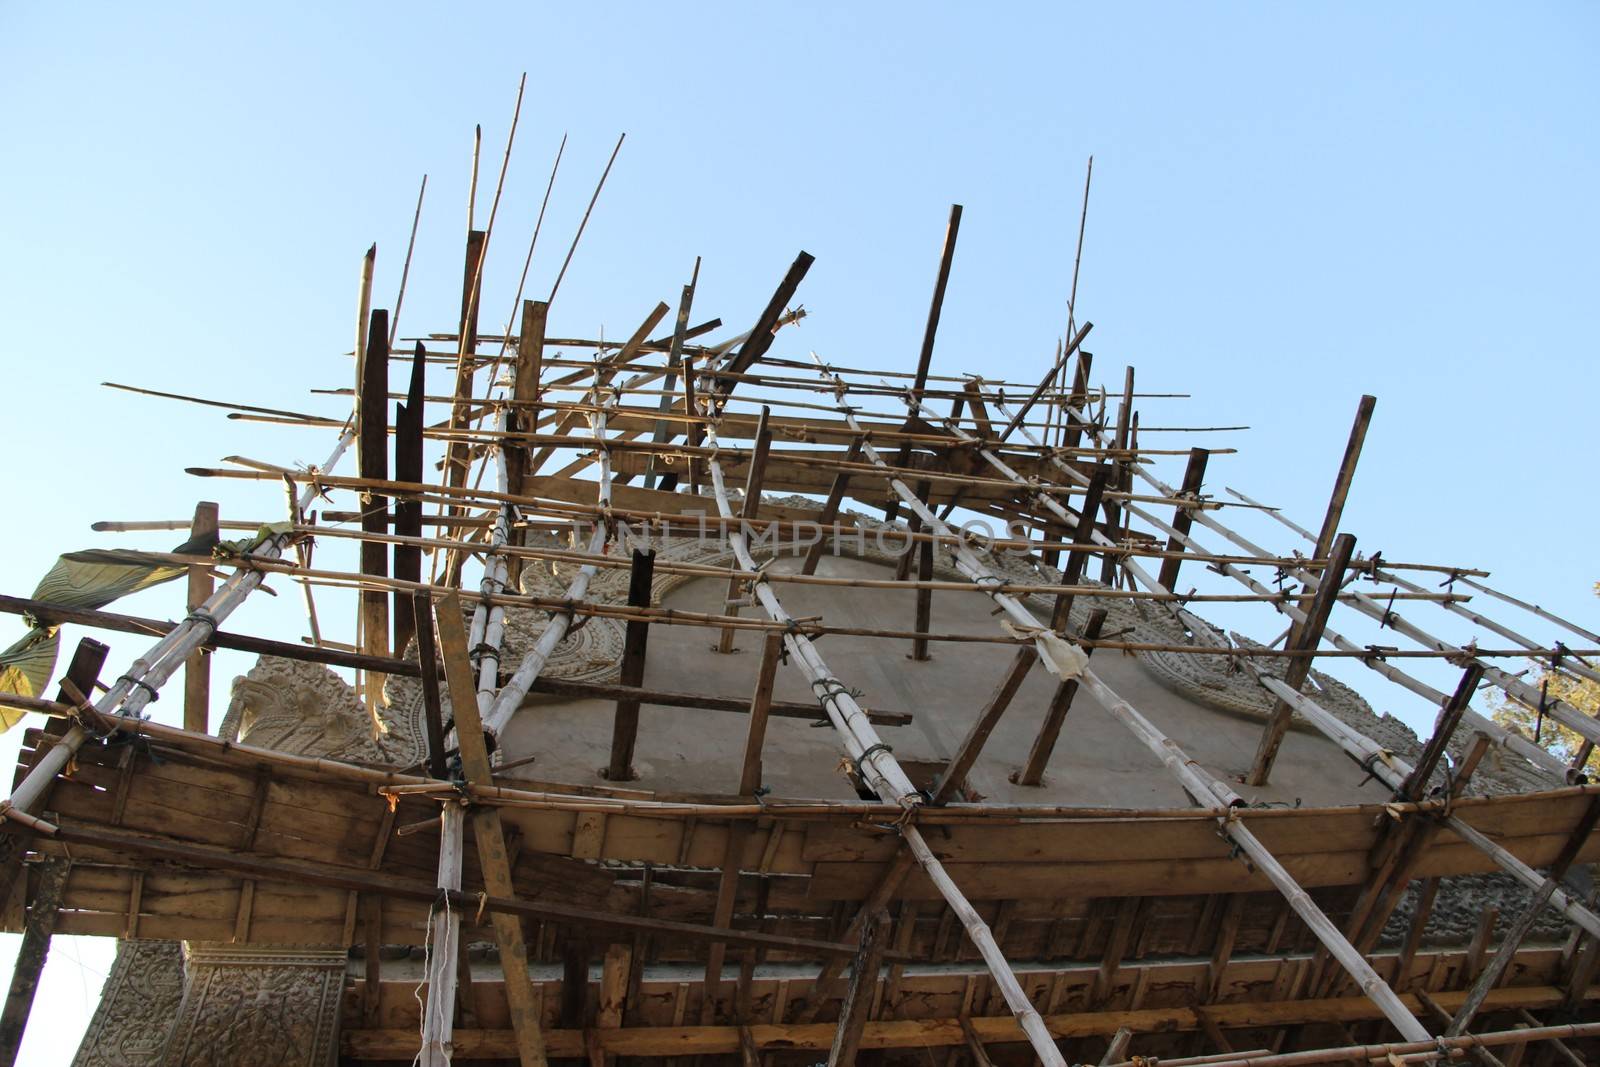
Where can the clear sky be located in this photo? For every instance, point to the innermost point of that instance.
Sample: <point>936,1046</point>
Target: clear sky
<point>1292,205</point>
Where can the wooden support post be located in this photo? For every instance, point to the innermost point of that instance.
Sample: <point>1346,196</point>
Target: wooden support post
<point>929,332</point>
<point>372,453</point>
<point>432,707</point>
<point>980,1055</point>
<point>1490,977</point>
<point>1347,473</point>
<point>680,329</point>
<point>493,858</point>
<point>1194,476</point>
<point>1032,772</point>
<point>722,916</point>
<point>1415,787</point>
<point>1302,637</point>
<point>882,895</point>
<point>197,668</point>
<point>625,725</point>
<point>924,614</point>
<point>408,447</point>
<point>1078,398</point>
<point>760,707</point>
<point>696,431</point>
<point>748,509</point>
<point>36,931</point>
<point>858,999</point>
<point>953,775</point>
<point>830,509</point>
<point>1117,1050</point>
<point>575,955</point>
<point>525,390</point>
<point>1119,480</point>
<point>1419,925</point>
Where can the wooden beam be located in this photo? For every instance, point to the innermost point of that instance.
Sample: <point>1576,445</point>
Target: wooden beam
<point>197,668</point>
<point>36,932</point>
<point>980,1055</point>
<point>760,708</point>
<point>525,389</point>
<point>493,858</point>
<point>1077,399</point>
<point>1194,476</point>
<point>1117,1049</point>
<point>408,467</point>
<point>1055,716</point>
<point>748,509</point>
<point>625,723</point>
<point>858,998</point>
<point>978,733</point>
<point>1304,637</point>
<point>1108,570</point>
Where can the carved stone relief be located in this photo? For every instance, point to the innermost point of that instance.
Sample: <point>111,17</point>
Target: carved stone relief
<point>137,1007</point>
<point>258,1007</point>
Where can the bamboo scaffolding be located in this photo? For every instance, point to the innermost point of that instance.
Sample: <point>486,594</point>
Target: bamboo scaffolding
<point>1205,789</point>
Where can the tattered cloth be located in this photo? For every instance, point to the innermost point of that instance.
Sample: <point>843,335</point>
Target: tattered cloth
<point>90,579</point>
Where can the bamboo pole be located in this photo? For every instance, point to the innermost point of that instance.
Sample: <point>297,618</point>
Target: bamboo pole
<point>197,669</point>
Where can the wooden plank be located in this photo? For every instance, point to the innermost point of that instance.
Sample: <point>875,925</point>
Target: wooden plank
<point>722,915</point>
<point>625,722</point>
<point>197,668</point>
<point>493,859</point>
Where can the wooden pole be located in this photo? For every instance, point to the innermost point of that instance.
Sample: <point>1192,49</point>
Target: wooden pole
<point>1347,473</point>
<point>625,724</point>
<point>760,708</point>
<point>1193,478</point>
<point>858,999</point>
<point>1302,637</point>
<point>36,932</point>
<point>1108,572</point>
<point>1055,717</point>
<point>432,708</point>
<point>197,668</point>
<point>929,332</point>
<point>760,339</point>
<point>830,508</point>
<point>955,773</point>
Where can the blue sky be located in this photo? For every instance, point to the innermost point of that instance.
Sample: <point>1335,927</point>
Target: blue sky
<point>1292,206</point>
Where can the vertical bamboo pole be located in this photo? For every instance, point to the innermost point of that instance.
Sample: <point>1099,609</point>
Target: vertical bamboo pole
<point>625,723</point>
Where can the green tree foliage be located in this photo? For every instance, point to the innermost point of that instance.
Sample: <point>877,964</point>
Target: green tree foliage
<point>1524,719</point>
